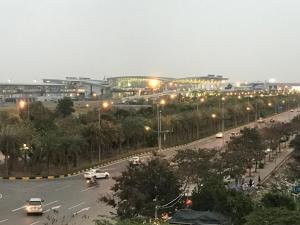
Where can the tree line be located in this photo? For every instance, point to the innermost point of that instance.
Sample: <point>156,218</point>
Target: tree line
<point>40,141</point>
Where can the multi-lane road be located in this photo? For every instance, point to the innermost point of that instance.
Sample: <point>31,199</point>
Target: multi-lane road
<point>70,199</point>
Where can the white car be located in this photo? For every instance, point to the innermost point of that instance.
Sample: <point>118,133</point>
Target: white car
<point>98,174</point>
<point>291,110</point>
<point>219,135</point>
<point>34,206</point>
<point>135,160</point>
<point>260,120</point>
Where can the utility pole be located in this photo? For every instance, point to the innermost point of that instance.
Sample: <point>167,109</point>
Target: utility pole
<point>99,127</point>
<point>158,127</point>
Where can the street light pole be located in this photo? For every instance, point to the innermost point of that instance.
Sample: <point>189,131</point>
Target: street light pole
<point>158,127</point>
<point>223,114</point>
<point>99,126</point>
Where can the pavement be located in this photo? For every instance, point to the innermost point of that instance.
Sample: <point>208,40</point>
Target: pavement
<point>69,200</point>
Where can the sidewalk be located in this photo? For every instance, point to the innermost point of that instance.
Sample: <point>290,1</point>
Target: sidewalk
<point>270,166</point>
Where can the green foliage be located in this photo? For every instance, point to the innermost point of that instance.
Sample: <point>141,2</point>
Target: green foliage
<point>140,188</point>
<point>195,165</point>
<point>273,216</point>
<point>242,150</point>
<point>212,195</point>
<point>134,221</point>
<point>278,200</point>
<point>295,143</point>
<point>65,107</point>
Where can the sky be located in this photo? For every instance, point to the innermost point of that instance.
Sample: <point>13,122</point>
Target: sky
<point>239,39</point>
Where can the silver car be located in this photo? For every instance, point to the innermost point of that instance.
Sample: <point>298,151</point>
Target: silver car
<point>34,206</point>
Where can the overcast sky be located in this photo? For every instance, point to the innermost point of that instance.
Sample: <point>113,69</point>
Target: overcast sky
<point>240,39</point>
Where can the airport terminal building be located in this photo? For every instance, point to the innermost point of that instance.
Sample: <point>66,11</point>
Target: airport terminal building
<point>80,88</point>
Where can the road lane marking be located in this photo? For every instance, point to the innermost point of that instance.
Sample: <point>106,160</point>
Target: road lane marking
<point>22,207</point>
<point>63,187</point>
<point>53,208</point>
<point>34,223</point>
<point>76,205</point>
<point>1,195</point>
<point>56,207</point>
<point>50,203</point>
<point>82,210</point>
<point>87,189</point>
<point>2,221</point>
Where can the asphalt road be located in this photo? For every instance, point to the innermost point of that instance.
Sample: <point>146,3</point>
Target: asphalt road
<point>70,199</point>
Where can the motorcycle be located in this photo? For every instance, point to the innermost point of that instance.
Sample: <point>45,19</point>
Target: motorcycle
<point>91,181</point>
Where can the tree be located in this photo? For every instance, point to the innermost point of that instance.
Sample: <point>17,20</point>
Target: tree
<point>135,221</point>
<point>295,143</point>
<point>140,188</point>
<point>64,107</point>
<point>278,200</point>
<point>248,146</point>
<point>212,195</point>
<point>273,216</point>
<point>195,164</point>
<point>9,145</point>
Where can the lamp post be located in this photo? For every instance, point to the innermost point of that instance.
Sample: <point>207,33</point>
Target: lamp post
<point>223,114</point>
<point>248,112</point>
<point>161,102</point>
<point>213,116</point>
<point>103,105</point>
<point>22,104</point>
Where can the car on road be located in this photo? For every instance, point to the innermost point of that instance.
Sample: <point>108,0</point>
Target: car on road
<point>272,120</point>
<point>291,110</point>
<point>135,160</point>
<point>260,120</point>
<point>34,206</point>
<point>219,135</point>
<point>234,134</point>
<point>98,174</point>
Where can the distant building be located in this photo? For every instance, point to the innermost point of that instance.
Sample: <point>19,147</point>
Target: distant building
<point>79,88</point>
<point>13,91</point>
<point>83,87</point>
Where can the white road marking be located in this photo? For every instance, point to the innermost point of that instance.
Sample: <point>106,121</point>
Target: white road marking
<point>87,189</point>
<point>82,210</point>
<point>2,221</point>
<point>53,208</point>
<point>76,205</point>
<point>1,195</point>
<point>50,203</point>
<point>34,223</point>
<point>22,207</point>
<point>56,207</point>
<point>63,187</point>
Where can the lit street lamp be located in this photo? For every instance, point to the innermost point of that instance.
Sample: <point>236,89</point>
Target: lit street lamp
<point>162,102</point>
<point>22,105</point>
<point>101,106</point>
<point>223,114</point>
<point>248,112</point>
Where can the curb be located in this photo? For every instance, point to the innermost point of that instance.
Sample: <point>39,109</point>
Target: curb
<point>25,178</point>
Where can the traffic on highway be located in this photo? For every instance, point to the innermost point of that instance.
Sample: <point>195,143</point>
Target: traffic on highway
<point>73,199</point>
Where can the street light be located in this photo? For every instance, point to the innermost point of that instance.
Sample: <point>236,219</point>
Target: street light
<point>248,112</point>
<point>162,102</point>
<point>22,104</point>
<point>103,105</point>
<point>223,114</point>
